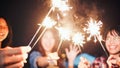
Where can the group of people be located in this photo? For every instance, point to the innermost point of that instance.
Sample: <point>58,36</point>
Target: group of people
<point>112,44</point>
<point>45,54</point>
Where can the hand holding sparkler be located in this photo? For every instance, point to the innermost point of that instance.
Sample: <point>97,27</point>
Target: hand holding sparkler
<point>16,55</point>
<point>52,58</point>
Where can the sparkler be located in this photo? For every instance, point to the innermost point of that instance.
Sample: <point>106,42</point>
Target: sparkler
<point>55,4</point>
<point>48,23</point>
<point>64,34</point>
<point>34,36</point>
<point>44,23</point>
<point>94,30</point>
<point>78,39</point>
<point>62,6</point>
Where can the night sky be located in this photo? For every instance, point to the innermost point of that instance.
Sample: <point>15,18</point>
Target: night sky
<point>24,15</point>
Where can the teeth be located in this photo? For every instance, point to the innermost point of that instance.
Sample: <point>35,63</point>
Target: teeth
<point>112,47</point>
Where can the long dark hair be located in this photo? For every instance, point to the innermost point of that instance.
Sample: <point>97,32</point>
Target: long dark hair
<point>8,40</point>
<point>56,36</point>
<point>39,46</point>
<point>113,28</point>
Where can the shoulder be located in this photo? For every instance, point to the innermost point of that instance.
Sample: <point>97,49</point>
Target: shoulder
<point>35,53</point>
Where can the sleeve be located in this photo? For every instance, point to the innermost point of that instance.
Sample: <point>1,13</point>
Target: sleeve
<point>32,59</point>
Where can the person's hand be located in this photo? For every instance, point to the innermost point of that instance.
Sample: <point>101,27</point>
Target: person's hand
<point>84,63</point>
<point>113,61</point>
<point>13,57</point>
<point>53,57</point>
<point>71,54</point>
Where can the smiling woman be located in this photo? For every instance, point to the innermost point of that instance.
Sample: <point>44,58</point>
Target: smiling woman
<point>113,46</point>
<point>5,33</point>
<point>112,43</point>
<point>10,57</point>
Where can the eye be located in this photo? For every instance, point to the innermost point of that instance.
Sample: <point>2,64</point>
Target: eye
<point>108,39</point>
<point>116,38</point>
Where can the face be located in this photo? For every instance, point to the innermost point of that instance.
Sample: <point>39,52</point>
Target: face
<point>48,41</point>
<point>3,29</point>
<point>113,43</point>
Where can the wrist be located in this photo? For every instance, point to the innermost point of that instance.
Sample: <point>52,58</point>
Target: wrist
<point>70,63</point>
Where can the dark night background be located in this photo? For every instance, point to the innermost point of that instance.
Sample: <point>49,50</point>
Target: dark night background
<point>24,15</point>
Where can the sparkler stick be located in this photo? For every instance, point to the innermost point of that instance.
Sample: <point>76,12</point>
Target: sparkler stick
<point>60,43</point>
<point>34,35</point>
<point>39,27</point>
<point>102,46</point>
<point>48,23</point>
<point>39,38</point>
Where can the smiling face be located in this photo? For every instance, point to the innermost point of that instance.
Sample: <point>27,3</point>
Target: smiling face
<point>48,41</point>
<point>3,29</point>
<point>113,42</point>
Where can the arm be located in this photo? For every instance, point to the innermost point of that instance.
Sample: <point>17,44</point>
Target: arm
<point>71,55</point>
<point>36,60</point>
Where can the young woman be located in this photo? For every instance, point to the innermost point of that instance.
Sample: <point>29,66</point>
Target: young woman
<point>45,55</point>
<point>10,57</point>
<point>47,46</point>
<point>112,44</point>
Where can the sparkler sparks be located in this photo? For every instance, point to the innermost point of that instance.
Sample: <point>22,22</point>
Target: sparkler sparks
<point>78,39</point>
<point>64,34</point>
<point>48,22</point>
<point>60,4</point>
<point>93,28</point>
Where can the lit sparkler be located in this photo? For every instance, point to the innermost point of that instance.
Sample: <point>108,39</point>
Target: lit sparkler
<point>44,23</point>
<point>94,30</point>
<point>64,34</point>
<point>78,39</point>
<point>47,22</point>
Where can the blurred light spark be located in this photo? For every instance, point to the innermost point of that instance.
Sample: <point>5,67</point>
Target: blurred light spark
<point>78,39</point>
<point>48,22</point>
<point>60,4</point>
<point>93,29</point>
<point>64,33</point>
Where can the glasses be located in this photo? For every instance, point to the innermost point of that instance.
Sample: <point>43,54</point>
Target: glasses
<point>116,38</point>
